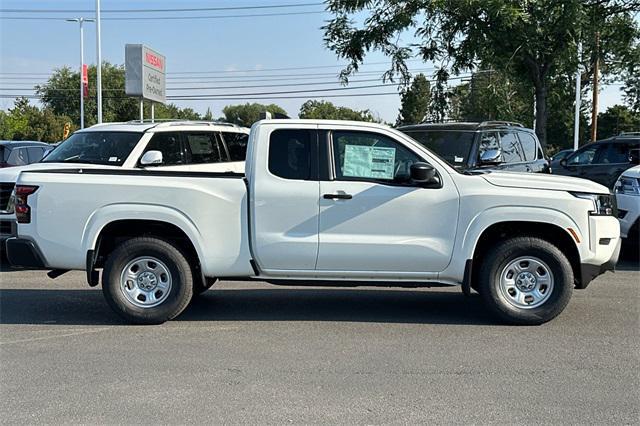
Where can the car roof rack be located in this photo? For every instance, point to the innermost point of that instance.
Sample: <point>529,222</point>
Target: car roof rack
<point>629,134</point>
<point>181,122</point>
<point>500,123</point>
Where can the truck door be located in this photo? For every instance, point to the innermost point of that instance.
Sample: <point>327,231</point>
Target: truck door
<point>373,219</point>
<point>284,199</point>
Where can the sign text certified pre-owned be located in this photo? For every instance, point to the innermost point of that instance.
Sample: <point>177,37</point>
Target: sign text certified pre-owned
<point>145,73</point>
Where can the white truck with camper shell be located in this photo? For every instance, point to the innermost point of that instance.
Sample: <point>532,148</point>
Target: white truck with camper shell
<point>176,145</point>
<point>332,203</point>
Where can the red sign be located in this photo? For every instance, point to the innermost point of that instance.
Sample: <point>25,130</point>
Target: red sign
<point>85,81</point>
<point>154,61</point>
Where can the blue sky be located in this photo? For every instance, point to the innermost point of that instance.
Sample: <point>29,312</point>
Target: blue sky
<point>38,46</point>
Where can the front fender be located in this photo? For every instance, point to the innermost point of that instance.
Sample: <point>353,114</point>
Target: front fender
<point>470,236</point>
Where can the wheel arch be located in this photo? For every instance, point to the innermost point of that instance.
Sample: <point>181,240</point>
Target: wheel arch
<point>500,231</point>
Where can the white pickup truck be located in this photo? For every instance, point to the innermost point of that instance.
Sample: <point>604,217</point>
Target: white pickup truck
<point>321,203</point>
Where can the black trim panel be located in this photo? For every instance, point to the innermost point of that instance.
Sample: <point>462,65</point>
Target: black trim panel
<point>142,172</point>
<point>589,272</point>
<point>24,253</point>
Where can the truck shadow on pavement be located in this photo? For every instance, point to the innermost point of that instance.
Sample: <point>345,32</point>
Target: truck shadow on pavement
<point>87,307</point>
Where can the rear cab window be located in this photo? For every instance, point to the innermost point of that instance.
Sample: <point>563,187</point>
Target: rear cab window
<point>290,153</point>
<point>511,148</point>
<point>236,145</point>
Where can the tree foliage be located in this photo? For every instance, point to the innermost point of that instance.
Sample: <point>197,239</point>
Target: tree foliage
<point>325,110</point>
<point>249,113</point>
<point>28,122</point>
<point>617,119</point>
<point>415,102</point>
<point>532,40</point>
<point>61,95</point>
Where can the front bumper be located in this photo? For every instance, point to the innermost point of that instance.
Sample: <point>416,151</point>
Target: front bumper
<point>590,271</point>
<point>24,253</point>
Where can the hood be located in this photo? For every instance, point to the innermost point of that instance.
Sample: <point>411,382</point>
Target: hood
<point>633,172</point>
<point>10,174</point>
<point>544,181</point>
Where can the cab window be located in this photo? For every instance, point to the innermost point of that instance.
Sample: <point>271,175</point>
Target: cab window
<point>290,154</point>
<point>204,148</point>
<point>170,146</point>
<point>371,157</point>
<point>511,148</point>
<point>236,145</point>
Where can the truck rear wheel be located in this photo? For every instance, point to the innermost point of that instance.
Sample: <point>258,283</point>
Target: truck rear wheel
<point>526,281</point>
<point>147,281</point>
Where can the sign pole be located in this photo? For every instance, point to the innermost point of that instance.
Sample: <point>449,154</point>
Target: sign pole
<point>141,110</point>
<point>576,122</point>
<point>99,64</point>
<point>81,74</point>
<point>153,112</point>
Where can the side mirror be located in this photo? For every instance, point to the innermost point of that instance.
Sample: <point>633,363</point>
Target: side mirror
<point>563,162</point>
<point>634,156</point>
<point>423,173</point>
<point>151,158</point>
<point>491,156</point>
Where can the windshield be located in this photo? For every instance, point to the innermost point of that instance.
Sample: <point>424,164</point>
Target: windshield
<point>110,148</point>
<point>452,146</point>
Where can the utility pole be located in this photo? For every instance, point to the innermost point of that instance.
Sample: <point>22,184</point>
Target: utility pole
<point>99,62</point>
<point>594,110</point>
<point>576,122</point>
<point>81,21</point>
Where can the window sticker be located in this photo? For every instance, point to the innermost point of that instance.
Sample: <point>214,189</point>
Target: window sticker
<point>369,162</point>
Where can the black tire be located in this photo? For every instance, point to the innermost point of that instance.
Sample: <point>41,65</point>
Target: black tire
<point>199,287</point>
<point>178,296</point>
<point>501,256</point>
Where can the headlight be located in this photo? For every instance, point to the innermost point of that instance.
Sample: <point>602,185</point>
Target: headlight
<point>628,186</point>
<point>603,204</point>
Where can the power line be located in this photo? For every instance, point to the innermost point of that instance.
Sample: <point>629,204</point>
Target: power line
<point>194,9</point>
<point>165,18</point>
<point>178,98</point>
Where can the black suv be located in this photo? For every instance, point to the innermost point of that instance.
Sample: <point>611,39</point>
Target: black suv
<point>492,145</point>
<point>602,161</point>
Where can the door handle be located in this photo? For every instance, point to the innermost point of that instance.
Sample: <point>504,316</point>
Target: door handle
<point>337,196</point>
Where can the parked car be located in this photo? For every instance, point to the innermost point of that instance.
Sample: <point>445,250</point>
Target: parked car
<point>559,156</point>
<point>20,153</point>
<point>601,161</point>
<point>627,191</point>
<point>170,146</point>
<point>322,203</point>
<point>490,145</point>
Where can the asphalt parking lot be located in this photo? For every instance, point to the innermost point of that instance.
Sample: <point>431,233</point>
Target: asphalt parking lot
<point>255,353</point>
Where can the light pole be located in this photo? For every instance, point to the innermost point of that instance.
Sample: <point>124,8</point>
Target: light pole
<point>99,62</point>
<point>81,21</point>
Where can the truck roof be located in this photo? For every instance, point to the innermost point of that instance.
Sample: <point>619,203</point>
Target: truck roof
<point>144,126</point>
<point>322,122</point>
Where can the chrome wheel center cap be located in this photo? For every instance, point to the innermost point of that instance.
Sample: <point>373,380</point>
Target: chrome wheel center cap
<point>526,281</point>
<point>147,281</point>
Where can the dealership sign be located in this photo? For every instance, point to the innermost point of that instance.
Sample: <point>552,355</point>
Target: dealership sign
<point>145,73</point>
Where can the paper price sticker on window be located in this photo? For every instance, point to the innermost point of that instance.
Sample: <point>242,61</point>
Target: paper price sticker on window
<point>369,162</point>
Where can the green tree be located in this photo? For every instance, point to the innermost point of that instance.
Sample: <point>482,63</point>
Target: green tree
<point>631,78</point>
<point>249,113</point>
<point>60,93</point>
<point>617,119</point>
<point>28,122</point>
<point>324,110</point>
<point>532,40</point>
<point>415,102</point>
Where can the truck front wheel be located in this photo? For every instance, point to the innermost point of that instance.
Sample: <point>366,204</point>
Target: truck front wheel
<point>526,280</point>
<point>147,281</point>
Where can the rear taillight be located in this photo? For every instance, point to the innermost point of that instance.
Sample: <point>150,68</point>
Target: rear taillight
<point>22,209</point>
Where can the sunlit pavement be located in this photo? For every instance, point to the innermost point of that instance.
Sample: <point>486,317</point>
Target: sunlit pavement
<point>256,353</point>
